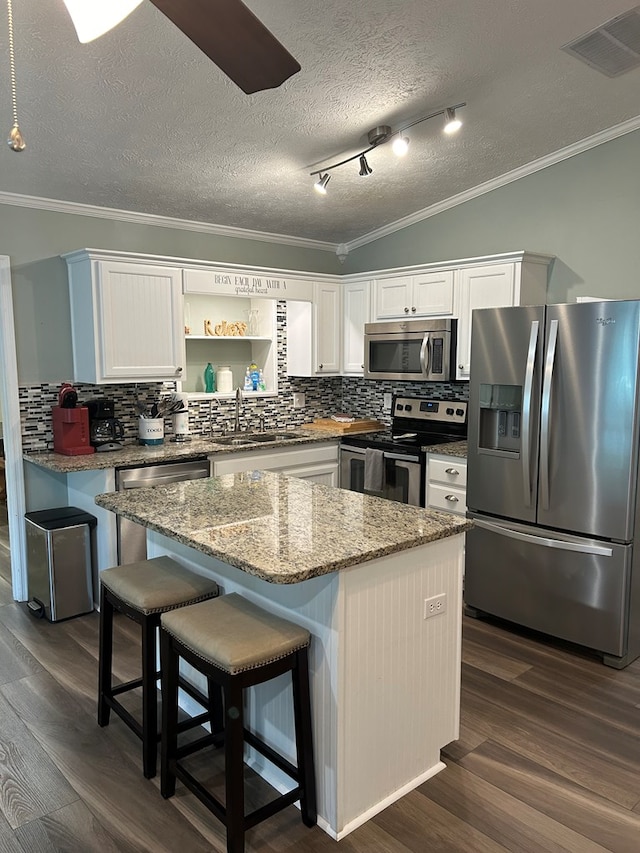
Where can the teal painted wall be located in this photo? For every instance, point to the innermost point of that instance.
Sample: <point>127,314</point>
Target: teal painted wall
<point>584,210</point>
<point>34,240</point>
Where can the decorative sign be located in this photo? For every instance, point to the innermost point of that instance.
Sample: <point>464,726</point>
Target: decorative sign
<point>241,283</point>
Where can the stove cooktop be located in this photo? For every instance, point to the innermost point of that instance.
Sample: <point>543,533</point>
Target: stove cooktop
<point>417,422</point>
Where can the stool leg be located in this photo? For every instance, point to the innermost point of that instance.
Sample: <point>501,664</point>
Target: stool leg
<point>234,767</point>
<point>149,699</point>
<point>215,709</point>
<point>169,741</point>
<point>304,737</point>
<point>105,657</point>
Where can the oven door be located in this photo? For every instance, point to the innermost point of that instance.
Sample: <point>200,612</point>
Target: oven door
<point>401,479</point>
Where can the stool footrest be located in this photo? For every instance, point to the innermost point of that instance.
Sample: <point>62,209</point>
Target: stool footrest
<point>274,757</point>
<point>207,740</point>
<point>215,806</point>
<point>125,686</point>
<point>192,691</point>
<point>124,715</point>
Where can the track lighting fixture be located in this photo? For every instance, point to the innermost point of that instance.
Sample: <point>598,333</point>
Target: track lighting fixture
<point>365,168</point>
<point>451,123</point>
<point>321,184</point>
<point>383,133</point>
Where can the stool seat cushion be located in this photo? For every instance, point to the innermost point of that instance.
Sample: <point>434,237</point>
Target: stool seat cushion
<point>234,634</point>
<point>156,585</point>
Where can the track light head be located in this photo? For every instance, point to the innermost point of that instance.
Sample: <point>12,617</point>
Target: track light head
<point>365,168</point>
<point>320,185</point>
<point>400,145</point>
<point>451,123</point>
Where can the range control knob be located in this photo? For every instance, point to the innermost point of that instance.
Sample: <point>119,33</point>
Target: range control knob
<point>449,411</point>
<point>460,412</point>
<point>408,407</point>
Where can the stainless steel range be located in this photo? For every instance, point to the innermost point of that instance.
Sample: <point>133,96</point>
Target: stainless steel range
<point>392,464</point>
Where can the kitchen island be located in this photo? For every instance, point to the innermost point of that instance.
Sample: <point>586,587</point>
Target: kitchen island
<point>360,574</point>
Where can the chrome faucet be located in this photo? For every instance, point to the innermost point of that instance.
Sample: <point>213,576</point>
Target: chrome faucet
<point>236,423</point>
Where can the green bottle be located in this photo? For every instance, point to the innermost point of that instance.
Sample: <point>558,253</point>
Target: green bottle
<point>209,379</point>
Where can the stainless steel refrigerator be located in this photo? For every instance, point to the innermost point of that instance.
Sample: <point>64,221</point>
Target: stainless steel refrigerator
<point>553,472</point>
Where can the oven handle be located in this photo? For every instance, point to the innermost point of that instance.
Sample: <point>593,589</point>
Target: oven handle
<point>400,456</point>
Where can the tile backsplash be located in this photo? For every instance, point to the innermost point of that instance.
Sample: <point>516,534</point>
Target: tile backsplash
<point>324,396</point>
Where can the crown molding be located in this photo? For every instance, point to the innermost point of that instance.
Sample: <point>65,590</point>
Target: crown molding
<point>59,206</point>
<point>501,181</point>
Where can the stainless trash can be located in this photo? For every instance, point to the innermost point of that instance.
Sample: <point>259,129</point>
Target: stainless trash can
<point>59,562</point>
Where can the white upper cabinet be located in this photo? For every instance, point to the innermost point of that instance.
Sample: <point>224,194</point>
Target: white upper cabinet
<point>314,332</point>
<point>522,282</point>
<point>429,294</point>
<point>126,320</point>
<point>357,311</point>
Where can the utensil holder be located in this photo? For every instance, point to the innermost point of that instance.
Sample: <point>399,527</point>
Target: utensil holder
<point>151,430</point>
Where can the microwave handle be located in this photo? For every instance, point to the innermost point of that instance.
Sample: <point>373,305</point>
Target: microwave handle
<point>424,364</point>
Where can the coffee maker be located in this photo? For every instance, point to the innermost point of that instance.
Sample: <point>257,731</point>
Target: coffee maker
<point>70,424</point>
<point>105,430</point>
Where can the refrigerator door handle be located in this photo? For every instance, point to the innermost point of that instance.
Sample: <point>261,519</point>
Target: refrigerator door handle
<point>598,550</point>
<point>424,365</point>
<point>526,411</point>
<point>545,419</point>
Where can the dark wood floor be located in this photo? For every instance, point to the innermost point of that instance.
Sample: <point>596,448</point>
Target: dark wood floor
<point>548,758</point>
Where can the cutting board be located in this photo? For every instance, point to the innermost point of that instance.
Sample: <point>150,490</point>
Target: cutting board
<point>354,426</point>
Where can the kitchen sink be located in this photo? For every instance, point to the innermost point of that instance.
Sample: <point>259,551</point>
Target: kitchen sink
<point>255,438</point>
<point>274,436</point>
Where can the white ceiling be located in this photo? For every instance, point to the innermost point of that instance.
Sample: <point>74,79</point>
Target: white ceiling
<point>140,120</point>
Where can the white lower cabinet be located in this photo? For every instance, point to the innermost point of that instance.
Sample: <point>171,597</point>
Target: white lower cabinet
<point>318,462</point>
<point>446,483</point>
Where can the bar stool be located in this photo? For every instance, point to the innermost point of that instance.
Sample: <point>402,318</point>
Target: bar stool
<point>237,645</point>
<point>143,591</point>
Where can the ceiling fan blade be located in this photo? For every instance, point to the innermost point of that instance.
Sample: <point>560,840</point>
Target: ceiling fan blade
<point>238,42</point>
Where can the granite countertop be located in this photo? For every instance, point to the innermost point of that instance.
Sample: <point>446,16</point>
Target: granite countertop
<point>281,529</point>
<point>455,448</point>
<point>170,451</point>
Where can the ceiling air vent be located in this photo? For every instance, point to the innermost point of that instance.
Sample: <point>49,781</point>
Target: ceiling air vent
<point>613,48</point>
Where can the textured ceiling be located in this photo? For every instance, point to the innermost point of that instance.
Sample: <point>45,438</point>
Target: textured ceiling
<point>141,120</point>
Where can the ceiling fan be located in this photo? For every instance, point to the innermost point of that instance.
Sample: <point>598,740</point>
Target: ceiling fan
<point>225,30</point>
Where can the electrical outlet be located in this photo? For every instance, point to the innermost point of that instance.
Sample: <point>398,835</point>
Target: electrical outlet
<point>299,401</point>
<point>435,605</point>
<point>387,402</point>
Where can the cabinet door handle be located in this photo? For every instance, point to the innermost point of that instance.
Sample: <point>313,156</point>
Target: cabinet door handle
<point>406,310</point>
<point>178,370</point>
<point>320,366</point>
<point>461,367</point>
<point>452,498</point>
<point>413,309</point>
<point>453,471</point>
<point>362,366</point>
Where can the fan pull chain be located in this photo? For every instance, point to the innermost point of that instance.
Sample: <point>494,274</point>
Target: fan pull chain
<point>16,140</point>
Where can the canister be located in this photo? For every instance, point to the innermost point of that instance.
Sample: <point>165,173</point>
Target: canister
<point>225,380</point>
<point>151,430</point>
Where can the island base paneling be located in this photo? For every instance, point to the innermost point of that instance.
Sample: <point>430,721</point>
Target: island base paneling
<point>385,680</point>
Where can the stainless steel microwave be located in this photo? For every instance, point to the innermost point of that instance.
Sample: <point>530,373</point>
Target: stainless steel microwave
<point>417,350</point>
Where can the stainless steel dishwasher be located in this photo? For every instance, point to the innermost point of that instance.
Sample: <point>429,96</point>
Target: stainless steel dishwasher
<point>132,537</point>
